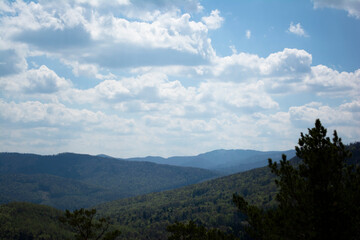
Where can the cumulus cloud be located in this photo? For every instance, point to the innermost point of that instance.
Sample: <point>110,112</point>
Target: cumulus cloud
<point>171,38</point>
<point>53,114</point>
<point>213,21</point>
<point>286,72</point>
<point>353,106</point>
<point>154,77</point>
<point>155,93</point>
<point>351,6</point>
<point>33,81</point>
<point>11,62</point>
<point>78,69</point>
<point>149,10</point>
<point>112,90</point>
<point>249,96</point>
<point>326,81</point>
<point>148,92</point>
<point>187,5</point>
<point>289,62</point>
<point>297,29</point>
<point>58,115</point>
<point>333,117</point>
<point>4,7</point>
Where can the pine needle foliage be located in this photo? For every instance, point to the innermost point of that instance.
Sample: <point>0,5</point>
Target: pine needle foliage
<point>318,196</point>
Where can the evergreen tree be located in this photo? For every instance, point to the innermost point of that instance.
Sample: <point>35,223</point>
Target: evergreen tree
<point>86,227</point>
<point>191,231</point>
<point>318,196</point>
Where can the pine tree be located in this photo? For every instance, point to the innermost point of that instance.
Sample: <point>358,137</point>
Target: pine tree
<point>192,231</point>
<point>86,227</point>
<point>318,196</point>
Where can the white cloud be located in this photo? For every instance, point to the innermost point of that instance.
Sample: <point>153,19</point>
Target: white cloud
<point>351,6</point>
<point>154,93</point>
<point>53,127</point>
<point>246,96</point>
<point>112,90</point>
<point>170,38</point>
<point>158,81</point>
<point>289,62</point>
<point>135,9</point>
<point>353,106</point>
<point>286,126</point>
<point>98,3</point>
<point>285,72</point>
<point>11,62</point>
<point>59,116</point>
<point>145,10</point>
<point>297,29</point>
<point>248,34</point>
<point>53,114</point>
<point>148,92</point>
<point>332,117</point>
<point>213,21</point>
<point>4,7</point>
<point>88,70</point>
<point>44,80</point>
<point>326,81</point>
<point>34,81</point>
<point>30,16</point>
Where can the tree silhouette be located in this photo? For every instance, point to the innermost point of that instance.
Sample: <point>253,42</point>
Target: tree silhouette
<point>86,227</point>
<point>318,196</point>
<point>191,231</point>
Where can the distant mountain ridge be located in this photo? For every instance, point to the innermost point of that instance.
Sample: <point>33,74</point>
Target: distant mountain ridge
<point>69,180</point>
<point>226,161</point>
<point>208,203</point>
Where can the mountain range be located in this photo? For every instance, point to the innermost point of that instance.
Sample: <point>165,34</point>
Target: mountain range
<point>225,161</point>
<point>208,203</point>
<point>69,180</point>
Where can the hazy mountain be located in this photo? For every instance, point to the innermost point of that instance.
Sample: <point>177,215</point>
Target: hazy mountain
<point>146,217</point>
<point>71,180</point>
<point>227,161</point>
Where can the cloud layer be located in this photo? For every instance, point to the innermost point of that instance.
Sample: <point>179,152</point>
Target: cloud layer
<point>351,6</point>
<point>75,76</point>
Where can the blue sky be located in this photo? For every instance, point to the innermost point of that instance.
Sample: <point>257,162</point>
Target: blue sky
<point>135,78</point>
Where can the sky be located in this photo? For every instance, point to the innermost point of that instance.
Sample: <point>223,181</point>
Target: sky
<point>133,78</point>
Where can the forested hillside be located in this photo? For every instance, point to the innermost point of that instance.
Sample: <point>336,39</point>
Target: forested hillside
<point>20,220</point>
<point>145,217</point>
<point>209,203</point>
<point>76,180</point>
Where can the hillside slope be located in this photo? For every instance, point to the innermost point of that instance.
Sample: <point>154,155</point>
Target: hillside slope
<point>208,203</point>
<point>19,220</point>
<point>146,217</point>
<point>77,180</point>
